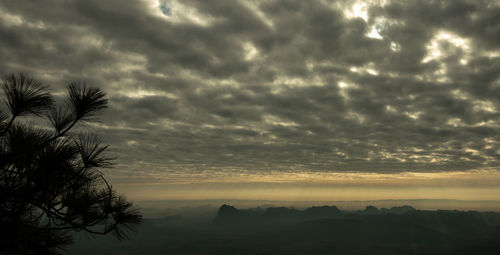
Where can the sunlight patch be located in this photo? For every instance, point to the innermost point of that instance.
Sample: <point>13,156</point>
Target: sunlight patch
<point>445,44</point>
<point>250,51</point>
<point>360,118</point>
<point>9,19</point>
<point>413,115</point>
<point>390,109</point>
<point>277,121</point>
<point>473,152</point>
<point>484,105</point>
<point>455,122</point>
<point>343,87</point>
<point>16,20</point>
<point>141,93</point>
<point>253,6</point>
<point>120,126</point>
<point>374,33</point>
<point>492,54</point>
<point>396,47</point>
<point>365,69</point>
<point>357,10</point>
<point>459,94</point>
<point>132,143</point>
<point>282,82</point>
<point>377,28</point>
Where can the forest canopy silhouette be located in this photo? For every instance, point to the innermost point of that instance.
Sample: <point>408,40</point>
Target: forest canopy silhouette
<point>50,178</point>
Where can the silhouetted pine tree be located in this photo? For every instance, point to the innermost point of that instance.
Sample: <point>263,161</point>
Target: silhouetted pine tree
<point>50,183</point>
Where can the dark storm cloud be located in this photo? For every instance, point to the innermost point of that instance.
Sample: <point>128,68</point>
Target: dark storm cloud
<point>274,85</point>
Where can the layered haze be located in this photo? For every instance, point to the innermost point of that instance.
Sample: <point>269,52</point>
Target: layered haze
<point>278,100</point>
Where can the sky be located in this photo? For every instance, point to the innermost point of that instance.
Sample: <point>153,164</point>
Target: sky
<point>275,99</point>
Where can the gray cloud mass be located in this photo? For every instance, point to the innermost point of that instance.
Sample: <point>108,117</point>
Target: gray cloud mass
<point>272,85</point>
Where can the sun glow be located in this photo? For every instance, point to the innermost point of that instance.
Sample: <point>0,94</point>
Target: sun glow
<point>329,186</point>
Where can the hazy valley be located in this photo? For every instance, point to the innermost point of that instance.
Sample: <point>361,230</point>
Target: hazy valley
<point>313,230</point>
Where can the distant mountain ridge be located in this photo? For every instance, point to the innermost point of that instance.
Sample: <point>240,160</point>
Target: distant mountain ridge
<point>313,230</point>
<point>230,214</point>
<point>397,227</point>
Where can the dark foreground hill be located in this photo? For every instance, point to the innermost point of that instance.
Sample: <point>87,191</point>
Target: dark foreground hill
<point>315,230</point>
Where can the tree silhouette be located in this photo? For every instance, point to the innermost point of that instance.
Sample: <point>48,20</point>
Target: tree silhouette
<point>50,182</point>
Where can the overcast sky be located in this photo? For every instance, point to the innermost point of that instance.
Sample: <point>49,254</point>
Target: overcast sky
<point>235,89</point>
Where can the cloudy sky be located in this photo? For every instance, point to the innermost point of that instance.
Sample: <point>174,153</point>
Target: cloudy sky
<point>278,99</point>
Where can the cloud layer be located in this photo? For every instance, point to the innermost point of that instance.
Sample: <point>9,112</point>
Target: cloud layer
<point>203,87</point>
